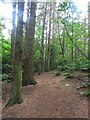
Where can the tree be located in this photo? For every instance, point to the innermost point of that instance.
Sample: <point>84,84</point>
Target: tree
<point>13,29</point>
<point>52,51</point>
<point>49,36</point>
<point>28,78</point>
<point>89,38</point>
<point>42,41</point>
<point>89,29</point>
<point>46,45</point>
<point>16,91</point>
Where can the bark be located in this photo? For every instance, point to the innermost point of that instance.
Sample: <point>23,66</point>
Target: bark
<point>16,91</point>
<point>28,78</point>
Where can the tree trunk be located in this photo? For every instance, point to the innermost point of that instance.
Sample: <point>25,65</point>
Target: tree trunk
<point>59,38</point>
<point>63,43</point>
<point>85,35</point>
<point>42,41</point>
<point>13,33</point>
<point>72,48</point>
<point>16,91</point>
<point>28,78</point>
<point>46,47</point>
<point>48,53</point>
<point>89,40</point>
<point>72,53</point>
<point>52,52</point>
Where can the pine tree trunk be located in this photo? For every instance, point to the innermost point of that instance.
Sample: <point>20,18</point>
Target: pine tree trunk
<point>28,77</point>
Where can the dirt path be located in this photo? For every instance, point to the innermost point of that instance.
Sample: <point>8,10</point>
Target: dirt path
<point>52,97</point>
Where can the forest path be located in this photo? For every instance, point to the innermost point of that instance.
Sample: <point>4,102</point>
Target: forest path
<point>52,97</point>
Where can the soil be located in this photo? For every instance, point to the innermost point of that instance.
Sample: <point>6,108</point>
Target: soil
<point>53,97</point>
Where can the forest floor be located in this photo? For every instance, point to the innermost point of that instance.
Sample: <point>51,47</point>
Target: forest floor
<point>53,97</point>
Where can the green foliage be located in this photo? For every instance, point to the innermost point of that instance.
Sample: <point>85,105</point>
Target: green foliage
<point>61,68</point>
<point>6,63</point>
<point>6,77</point>
<point>86,93</point>
<point>81,63</point>
<point>68,75</point>
<point>87,84</point>
<point>66,69</point>
<point>6,68</point>
<point>6,50</point>
<point>6,57</point>
<point>58,73</point>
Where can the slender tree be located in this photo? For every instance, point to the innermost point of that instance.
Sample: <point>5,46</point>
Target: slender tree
<point>72,48</point>
<point>85,34</point>
<point>49,36</point>
<point>52,52</point>
<point>89,38</point>
<point>42,40</point>
<point>59,34</point>
<point>63,43</point>
<point>46,45</point>
<point>13,29</point>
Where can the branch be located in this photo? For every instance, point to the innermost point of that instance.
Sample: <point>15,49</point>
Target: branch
<point>73,42</point>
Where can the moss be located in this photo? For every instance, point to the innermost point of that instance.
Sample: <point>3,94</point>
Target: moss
<point>13,101</point>
<point>15,96</point>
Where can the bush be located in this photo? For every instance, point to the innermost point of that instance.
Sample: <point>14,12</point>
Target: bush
<point>58,73</point>
<point>6,68</point>
<point>68,75</point>
<point>87,93</point>
<point>66,69</point>
<point>6,77</point>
